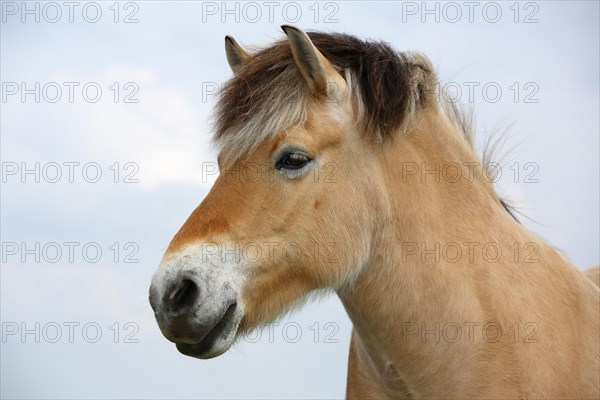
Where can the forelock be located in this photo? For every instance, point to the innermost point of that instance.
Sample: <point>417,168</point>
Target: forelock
<point>269,95</point>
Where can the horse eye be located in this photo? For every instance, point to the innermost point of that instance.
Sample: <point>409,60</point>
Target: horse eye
<point>293,161</point>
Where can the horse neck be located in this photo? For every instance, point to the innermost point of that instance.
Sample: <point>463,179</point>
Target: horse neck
<point>419,210</point>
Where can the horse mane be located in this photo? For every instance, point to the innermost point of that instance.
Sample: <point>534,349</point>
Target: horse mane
<point>268,94</point>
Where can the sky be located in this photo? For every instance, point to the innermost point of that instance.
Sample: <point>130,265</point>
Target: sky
<point>105,151</point>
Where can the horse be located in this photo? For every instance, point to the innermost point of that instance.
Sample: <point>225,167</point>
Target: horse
<point>342,171</point>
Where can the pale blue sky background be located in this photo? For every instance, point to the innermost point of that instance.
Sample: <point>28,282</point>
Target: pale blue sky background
<point>171,54</point>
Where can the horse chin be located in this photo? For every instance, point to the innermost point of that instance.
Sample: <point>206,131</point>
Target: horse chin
<point>217,342</point>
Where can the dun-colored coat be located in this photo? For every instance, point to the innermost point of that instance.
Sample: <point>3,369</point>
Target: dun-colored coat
<point>342,170</point>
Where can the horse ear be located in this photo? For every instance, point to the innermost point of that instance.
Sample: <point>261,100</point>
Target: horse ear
<point>236,56</point>
<point>313,66</point>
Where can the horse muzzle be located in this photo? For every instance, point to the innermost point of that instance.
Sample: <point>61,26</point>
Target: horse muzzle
<point>194,310</point>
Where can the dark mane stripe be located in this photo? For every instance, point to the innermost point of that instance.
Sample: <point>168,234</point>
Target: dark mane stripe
<point>390,84</point>
<point>386,78</point>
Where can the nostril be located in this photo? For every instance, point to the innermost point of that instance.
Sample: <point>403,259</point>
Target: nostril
<point>183,296</point>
